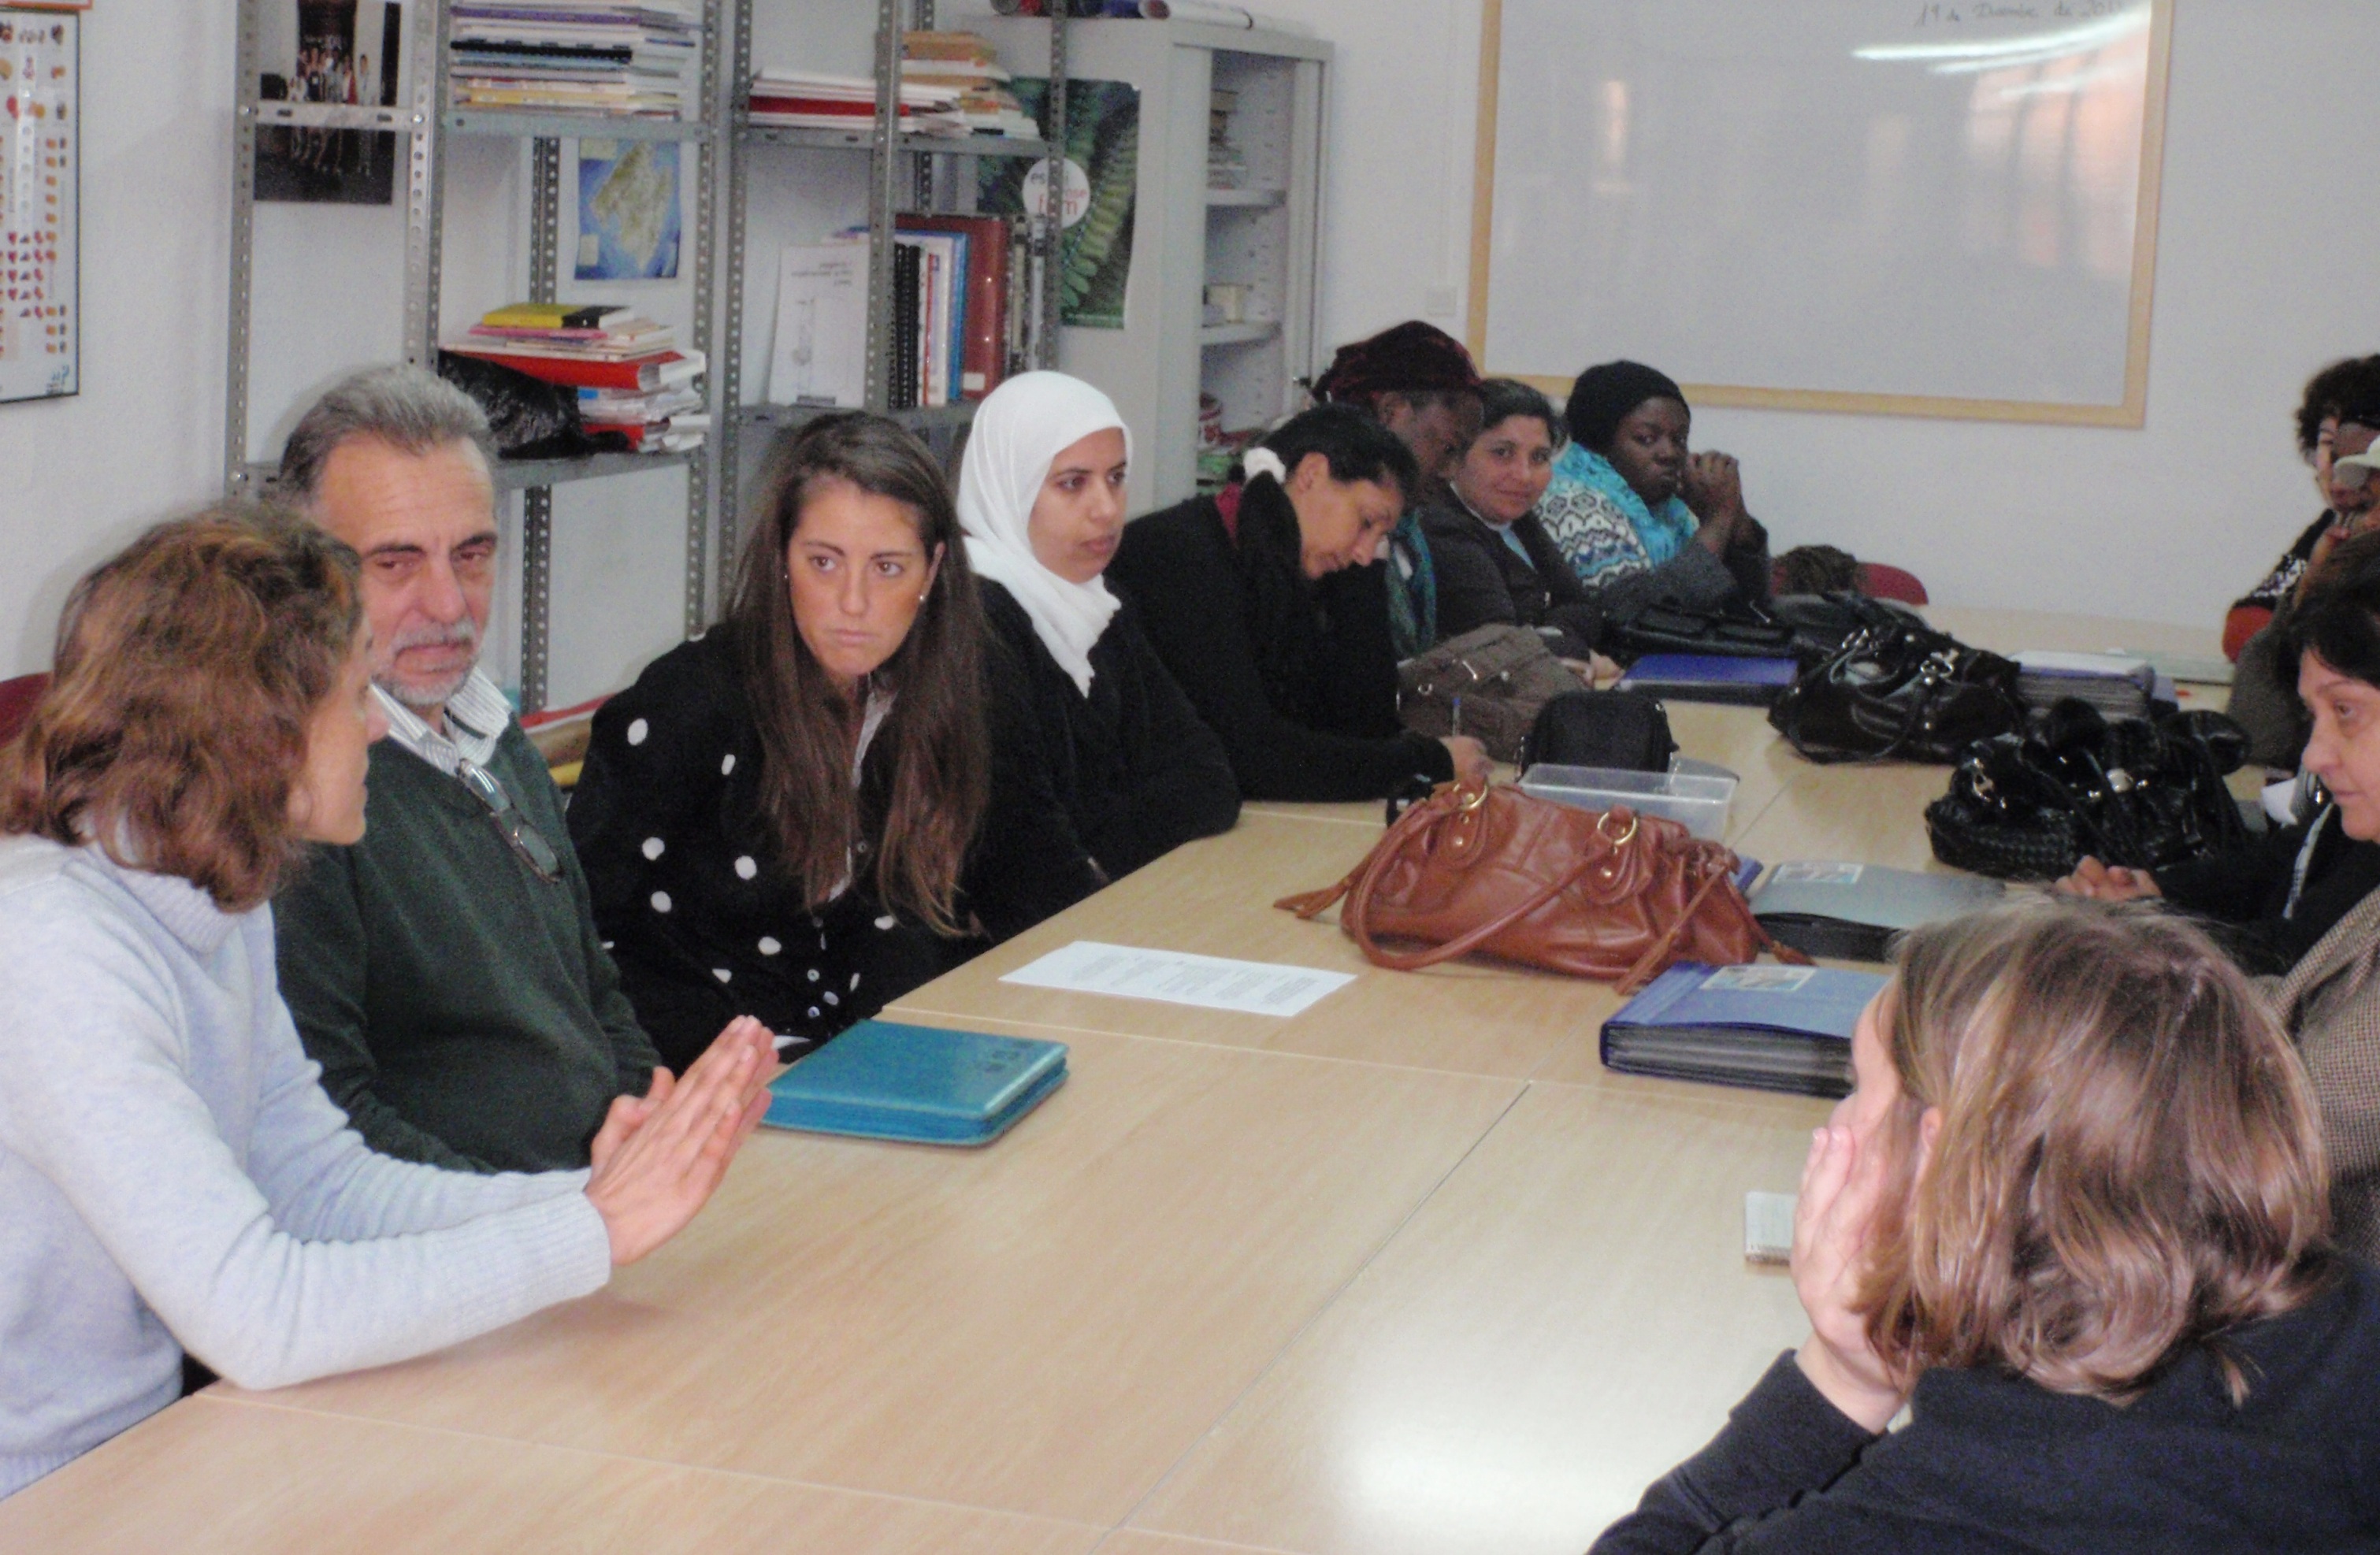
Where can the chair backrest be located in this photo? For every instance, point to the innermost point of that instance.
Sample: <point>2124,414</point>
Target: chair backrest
<point>17,699</point>
<point>1878,581</point>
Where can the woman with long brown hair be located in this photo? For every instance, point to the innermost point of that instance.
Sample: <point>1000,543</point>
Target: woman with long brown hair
<point>173,1178</point>
<point>2072,1216</point>
<point>775,820</point>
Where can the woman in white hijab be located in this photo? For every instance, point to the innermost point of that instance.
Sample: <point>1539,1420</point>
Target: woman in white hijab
<point>1090,735</point>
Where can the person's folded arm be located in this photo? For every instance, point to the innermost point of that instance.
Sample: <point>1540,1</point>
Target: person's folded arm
<point>1784,1440</point>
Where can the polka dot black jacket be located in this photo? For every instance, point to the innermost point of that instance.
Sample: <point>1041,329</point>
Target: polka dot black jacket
<point>701,922</point>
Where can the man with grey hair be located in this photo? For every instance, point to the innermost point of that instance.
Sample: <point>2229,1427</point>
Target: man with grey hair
<point>444,971</point>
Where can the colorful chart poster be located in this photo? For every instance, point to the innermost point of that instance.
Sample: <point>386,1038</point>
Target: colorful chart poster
<point>629,222</point>
<point>39,165</point>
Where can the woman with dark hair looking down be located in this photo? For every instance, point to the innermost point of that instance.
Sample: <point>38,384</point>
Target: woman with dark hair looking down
<point>1641,520</point>
<point>1306,705</point>
<point>775,819</point>
<point>2071,1216</point>
<point>176,1180</point>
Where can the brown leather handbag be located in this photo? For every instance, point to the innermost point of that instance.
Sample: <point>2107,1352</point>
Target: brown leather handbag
<point>1609,894</point>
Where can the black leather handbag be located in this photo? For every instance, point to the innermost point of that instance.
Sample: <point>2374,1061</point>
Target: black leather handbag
<point>1670,628</point>
<point>1897,690</point>
<point>2131,792</point>
<point>1626,730</point>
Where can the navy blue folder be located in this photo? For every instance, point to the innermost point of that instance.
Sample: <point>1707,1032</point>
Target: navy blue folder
<point>885,1080</point>
<point>1711,677</point>
<point>1771,1027</point>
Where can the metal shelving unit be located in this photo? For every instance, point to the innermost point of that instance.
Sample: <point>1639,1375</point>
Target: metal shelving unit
<point>425,120</point>
<point>887,148</point>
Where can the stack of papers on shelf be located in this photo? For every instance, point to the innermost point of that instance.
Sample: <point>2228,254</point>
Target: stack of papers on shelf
<point>1227,167</point>
<point>966,64</point>
<point>815,100</point>
<point>2119,685</point>
<point>615,57</point>
<point>630,377</point>
<point>1769,1027</point>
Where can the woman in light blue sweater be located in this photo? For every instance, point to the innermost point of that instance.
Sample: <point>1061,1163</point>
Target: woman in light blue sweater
<point>172,1175</point>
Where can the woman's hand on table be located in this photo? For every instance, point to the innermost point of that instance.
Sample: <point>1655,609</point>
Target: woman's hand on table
<point>1595,670</point>
<point>1840,1186</point>
<point>1471,762</point>
<point>659,1156</point>
<point>2104,883</point>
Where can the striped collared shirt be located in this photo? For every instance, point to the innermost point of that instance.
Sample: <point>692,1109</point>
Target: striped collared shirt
<point>476,716</point>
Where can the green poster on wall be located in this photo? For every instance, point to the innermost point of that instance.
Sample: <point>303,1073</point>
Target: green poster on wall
<point>1102,164</point>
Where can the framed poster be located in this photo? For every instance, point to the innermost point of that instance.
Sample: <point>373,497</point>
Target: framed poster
<point>40,162</point>
<point>345,53</point>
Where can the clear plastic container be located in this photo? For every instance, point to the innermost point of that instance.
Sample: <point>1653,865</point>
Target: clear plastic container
<point>1700,802</point>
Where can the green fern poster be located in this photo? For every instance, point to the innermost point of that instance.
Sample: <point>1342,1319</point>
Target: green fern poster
<point>1103,159</point>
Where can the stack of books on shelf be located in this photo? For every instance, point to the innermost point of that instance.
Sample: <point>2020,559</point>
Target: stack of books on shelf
<point>964,314</point>
<point>630,377</point>
<point>1226,167</point>
<point>615,59</point>
<point>966,64</point>
<point>813,100</point>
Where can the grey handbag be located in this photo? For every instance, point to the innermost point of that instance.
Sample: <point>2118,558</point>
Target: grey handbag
<point>1490,683</point>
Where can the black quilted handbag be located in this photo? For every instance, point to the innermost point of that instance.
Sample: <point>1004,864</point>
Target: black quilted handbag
<point>1899,692</point>
<point>2129,792</point>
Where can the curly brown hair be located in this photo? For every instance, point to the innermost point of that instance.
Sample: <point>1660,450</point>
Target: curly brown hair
<point>2129,1161</point>
<point>175,725</point>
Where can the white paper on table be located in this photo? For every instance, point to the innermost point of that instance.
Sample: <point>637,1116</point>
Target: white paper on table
<point>1207,982</point>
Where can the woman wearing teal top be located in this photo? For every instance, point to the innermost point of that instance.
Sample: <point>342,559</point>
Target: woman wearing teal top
<point>1639,519</point>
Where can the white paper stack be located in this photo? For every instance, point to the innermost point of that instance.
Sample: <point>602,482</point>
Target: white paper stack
<point>2119,685</point>
<point>627,60</point>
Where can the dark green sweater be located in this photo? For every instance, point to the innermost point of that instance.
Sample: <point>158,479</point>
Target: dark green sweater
<point>462,1008</point>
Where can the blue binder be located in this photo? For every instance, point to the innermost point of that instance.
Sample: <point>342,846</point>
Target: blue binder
<point>1711,677</point>
<point>884,1080</point>
<point>1771,1027</point>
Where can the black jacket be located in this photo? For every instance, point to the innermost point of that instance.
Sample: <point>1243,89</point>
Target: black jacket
<point>1303,698</point>
<point>1482,581</point>
<point>2244,893</point>
<point>1112,780</point>
<point>1995,1463</point>
<point>701,919</point>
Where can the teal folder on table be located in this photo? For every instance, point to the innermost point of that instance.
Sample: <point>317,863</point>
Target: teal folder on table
<point>922,1084</point>
<point>1773,1028</point>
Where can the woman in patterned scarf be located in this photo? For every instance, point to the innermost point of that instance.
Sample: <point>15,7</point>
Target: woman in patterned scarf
<point>1640,519</point>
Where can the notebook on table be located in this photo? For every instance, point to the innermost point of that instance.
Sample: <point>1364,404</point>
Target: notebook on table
<point>1768,1028</point>
<point>1711,677</point>
<point>1853,910</point>
<point>885,1080</point>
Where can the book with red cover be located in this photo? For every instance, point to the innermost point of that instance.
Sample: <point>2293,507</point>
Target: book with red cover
<point>985,362</point>
<point>584,372</point>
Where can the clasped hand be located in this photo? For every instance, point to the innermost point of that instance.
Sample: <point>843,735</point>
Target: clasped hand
<point>1841,1185</point>
<point>658,1156</point>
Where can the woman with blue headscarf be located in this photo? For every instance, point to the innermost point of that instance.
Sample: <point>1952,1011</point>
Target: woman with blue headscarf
<point>1096,755</point>
<point>1640,519</point>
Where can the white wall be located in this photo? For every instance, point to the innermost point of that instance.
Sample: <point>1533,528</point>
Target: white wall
<point>2264,253</point>
<point>145,435</point>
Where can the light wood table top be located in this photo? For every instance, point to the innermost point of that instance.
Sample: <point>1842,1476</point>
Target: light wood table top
<point>1408,1272</point>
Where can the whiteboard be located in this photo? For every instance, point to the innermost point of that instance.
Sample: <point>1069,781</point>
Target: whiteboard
<point>1874,205</point>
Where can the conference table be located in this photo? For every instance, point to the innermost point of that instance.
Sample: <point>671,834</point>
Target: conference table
<point>1406,1273</point>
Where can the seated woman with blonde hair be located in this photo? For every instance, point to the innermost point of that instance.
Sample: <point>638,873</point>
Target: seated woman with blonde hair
<point>175,1179</point>
<point>2073,1217</point>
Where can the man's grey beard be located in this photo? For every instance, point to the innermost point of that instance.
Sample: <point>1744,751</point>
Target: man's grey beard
<point>427,696</point>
